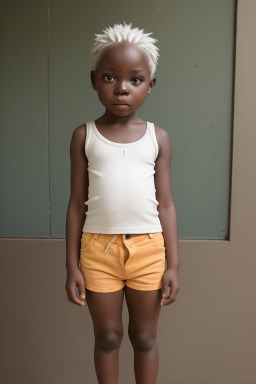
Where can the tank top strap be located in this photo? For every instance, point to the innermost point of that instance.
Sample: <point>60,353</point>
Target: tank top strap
<point>152,132</point>
<point>89,133</point>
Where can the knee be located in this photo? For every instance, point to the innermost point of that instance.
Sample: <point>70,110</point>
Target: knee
<point>109,340</point>
<point>142,341</point>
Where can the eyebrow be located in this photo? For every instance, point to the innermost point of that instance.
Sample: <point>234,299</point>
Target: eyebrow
<point>137,70</point>
<point>132,70</point>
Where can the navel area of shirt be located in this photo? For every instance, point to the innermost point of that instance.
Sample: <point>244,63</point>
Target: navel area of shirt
<point>122,194</point>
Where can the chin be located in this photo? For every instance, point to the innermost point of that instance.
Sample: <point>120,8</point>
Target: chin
<point>120,113</point>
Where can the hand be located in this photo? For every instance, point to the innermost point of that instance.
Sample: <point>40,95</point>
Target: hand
<point>75,278</point>
<point>170,286</point>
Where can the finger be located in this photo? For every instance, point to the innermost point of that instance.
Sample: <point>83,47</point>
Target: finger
<point>171,299</point>
<point>68,294</point>
<point>167,301</point>
<point>81,290</point>
<point>165,291</point>
<point>78,302</point>
<point>73,297</point>
<point>174,294</point>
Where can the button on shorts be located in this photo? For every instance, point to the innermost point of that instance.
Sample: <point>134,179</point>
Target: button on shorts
<point>108,262</point>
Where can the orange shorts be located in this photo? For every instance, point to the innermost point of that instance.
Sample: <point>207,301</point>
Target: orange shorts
<point>108,262</point>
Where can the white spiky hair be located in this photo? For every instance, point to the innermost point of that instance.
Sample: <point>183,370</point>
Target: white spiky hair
<point>119,33</point>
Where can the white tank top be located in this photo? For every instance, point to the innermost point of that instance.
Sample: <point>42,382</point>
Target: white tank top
<point>121,196</point>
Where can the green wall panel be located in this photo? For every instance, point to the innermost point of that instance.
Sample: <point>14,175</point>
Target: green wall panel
<point>24,203</point>
<point>192,98</point>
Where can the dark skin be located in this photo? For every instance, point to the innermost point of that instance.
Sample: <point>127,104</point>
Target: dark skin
<point>122,80</point>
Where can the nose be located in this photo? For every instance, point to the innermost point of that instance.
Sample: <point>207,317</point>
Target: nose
<point>121,88</point>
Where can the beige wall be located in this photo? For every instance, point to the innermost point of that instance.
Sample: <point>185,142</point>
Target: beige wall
<point>206,337</point>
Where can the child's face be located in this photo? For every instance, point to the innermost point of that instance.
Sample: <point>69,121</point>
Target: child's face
<point>122,79</point>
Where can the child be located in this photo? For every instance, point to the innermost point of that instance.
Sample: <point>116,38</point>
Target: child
<point>121,170</point>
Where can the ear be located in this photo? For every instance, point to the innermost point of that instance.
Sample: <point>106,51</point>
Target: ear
<point>151,85</point>
<point>93,79</point>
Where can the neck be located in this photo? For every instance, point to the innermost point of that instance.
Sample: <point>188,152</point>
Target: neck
<point>109,118</point>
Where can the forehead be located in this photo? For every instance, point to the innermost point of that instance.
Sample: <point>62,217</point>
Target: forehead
<point>124,55</point>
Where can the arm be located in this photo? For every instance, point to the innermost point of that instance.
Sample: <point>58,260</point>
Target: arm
<point>167,216</point>
<point>76,215</point>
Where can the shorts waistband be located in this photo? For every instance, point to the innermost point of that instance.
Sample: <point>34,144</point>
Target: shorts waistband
<point>120,237</point>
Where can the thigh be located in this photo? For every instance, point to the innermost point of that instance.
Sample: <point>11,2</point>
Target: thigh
<point>144,309</point>
<point>105,310</point>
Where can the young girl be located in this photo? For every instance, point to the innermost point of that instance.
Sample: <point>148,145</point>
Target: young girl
<point>128,242</point>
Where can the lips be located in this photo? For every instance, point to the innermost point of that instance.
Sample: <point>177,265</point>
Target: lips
<point>121,103</point>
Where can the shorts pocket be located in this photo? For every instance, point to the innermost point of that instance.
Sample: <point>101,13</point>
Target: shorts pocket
<point>86,240</point>
<point>158,240</point>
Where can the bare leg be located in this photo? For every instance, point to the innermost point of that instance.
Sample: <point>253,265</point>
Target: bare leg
<point>106,313</point>
<point>144,308</point>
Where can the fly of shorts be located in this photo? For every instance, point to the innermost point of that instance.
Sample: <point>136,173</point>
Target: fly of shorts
<point>109,262</point>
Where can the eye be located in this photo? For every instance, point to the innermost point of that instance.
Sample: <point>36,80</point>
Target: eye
<point>108,78</point>
<point>136,80</point>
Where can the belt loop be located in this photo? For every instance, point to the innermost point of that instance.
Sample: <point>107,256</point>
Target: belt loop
<point>150,235</point>
<point>95,235</point>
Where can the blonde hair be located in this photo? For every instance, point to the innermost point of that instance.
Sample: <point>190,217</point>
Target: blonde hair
<point>119,33</point>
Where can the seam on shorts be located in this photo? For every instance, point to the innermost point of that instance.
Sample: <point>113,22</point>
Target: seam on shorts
<point>144,287</point>
<point>103,290</point>
<point>162,248</point>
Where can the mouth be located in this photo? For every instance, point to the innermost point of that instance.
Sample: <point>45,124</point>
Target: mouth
<point>121,103</point>
<point>121,106</point>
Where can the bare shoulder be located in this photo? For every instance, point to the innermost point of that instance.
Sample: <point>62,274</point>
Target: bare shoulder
<point>163,140</point>
<point>160,132</point>
<point>78,140</point>
<point>79,133</point>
